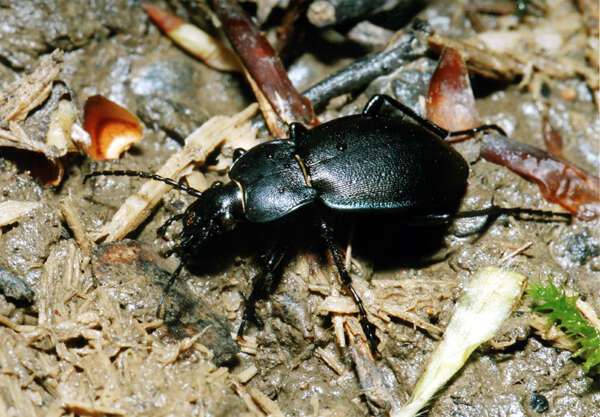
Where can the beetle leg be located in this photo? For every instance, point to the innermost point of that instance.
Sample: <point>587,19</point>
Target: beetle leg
<point>338,257</point>
<point>373,107</point>
<point>492,212</point>
<point>260,283</point>
<point>495,211</point>
<point>168,288</point>
<point>431,219</point>
<point>163,229</point>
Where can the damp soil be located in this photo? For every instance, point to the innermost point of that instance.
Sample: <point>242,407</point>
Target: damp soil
<point>111,357</point>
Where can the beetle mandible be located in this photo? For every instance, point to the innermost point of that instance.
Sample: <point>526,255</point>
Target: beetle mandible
<point>366,163</point>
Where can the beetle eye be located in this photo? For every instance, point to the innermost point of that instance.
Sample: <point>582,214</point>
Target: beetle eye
<point>216,184</point>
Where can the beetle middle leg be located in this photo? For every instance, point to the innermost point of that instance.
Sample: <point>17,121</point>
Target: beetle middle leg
<point>373,107</point>
<point>338,257</point>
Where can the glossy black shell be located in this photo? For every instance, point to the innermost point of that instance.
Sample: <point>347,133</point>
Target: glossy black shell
<point>271,180</point>
<point>372,163</point>
<point>354,163</point>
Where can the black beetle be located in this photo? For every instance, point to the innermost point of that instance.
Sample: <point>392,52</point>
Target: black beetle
<point>360,163</point>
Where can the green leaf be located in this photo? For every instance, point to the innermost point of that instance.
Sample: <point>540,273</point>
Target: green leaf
<point>562,311</point>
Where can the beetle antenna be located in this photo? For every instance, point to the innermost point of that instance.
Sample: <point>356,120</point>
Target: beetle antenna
<point>142,174</point>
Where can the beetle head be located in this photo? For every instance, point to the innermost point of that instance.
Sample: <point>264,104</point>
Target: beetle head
<point>216,211</point>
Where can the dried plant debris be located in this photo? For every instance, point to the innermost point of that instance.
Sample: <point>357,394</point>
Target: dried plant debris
<point>450,99</point>
<point>25,94</point>
<point>22,96</point>
<point>324,13</point>
<point>451,104</point>
<point>552,47</point>
<point>400,50</point>
<point>10,210</point>
<point>96,358</point>
<point>18,99</point>
<point>562,311</point>
<point>373,384</point>
<point>262,63</point>
<point>413,301</point>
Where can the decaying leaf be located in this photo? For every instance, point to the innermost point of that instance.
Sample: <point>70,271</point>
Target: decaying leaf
<point>560,181</point>
<point>484,57</point>
<point>450,100</point>
<point>112,128</point>
<point>450,104</point>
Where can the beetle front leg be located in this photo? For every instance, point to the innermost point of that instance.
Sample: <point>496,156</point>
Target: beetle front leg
<point>162,230</point>
<point>338,257</point>
<point>259,284</point>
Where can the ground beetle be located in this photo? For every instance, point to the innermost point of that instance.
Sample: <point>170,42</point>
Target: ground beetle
<point>361,163</point>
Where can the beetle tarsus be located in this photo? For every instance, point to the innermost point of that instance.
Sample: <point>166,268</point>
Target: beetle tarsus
<point>495,211</point>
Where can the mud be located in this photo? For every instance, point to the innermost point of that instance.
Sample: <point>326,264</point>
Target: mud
<point>117,360</point>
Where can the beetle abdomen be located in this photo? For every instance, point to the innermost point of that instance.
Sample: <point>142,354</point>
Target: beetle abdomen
<point>360,163</point>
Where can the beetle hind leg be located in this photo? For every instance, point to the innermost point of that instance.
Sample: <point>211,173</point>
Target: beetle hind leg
<point>373,107</point>
<point>338,257</point>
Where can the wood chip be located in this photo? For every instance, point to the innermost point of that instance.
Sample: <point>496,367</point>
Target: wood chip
<point>11,210</point>
<point>330,360</point>
<point>74,221</point>
<point>247,374</point>
<point>248,345</point>
<point>264,402</point>
<point>397,311</point>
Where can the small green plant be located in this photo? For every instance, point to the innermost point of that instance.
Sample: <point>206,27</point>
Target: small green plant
<point>562,311</point>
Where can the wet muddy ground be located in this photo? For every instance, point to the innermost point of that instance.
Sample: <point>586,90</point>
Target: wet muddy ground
<point>88,342</point>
